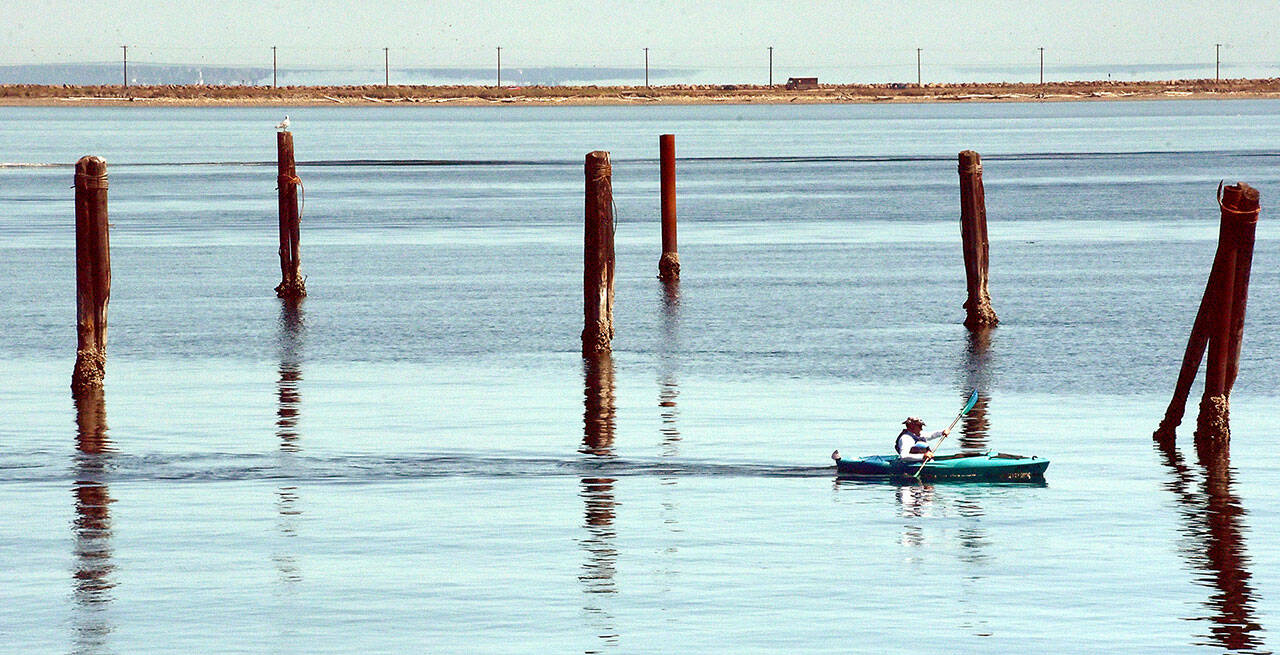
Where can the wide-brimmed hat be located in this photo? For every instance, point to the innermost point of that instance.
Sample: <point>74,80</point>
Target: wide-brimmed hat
<point>912,419</point>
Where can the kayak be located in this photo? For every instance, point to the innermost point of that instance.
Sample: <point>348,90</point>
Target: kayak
<point>984,466</point>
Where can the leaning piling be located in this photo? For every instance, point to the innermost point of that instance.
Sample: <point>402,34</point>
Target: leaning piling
<point>598,260</point>
<point>669,264</point>
<point>1239,205</point>
<point>93,274</point>
<point>1219,324</point>
<point>973,236</point>
<point>287,183</point>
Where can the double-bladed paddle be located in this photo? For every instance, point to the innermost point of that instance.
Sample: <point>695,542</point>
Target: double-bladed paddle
<point>973,400</point>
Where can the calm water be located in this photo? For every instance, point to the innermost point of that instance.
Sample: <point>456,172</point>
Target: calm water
<point>417,458</point>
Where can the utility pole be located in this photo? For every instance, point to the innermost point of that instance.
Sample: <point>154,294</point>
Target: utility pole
<point>386,68</point>
<point>126,65</point>
<point>770,65</point>
<point>1217,61</point>
<point>499,65</point>
<point>1041,66</point>
<point>918,67</point>
<point>646,68</point>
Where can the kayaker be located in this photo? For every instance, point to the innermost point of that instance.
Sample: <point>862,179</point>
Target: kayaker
<point>911,446</point>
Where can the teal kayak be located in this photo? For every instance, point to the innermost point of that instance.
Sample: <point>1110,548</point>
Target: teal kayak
<point>984,466</point>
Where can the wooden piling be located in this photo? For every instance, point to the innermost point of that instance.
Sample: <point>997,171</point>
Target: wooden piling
<point>1219,323</point>
<point>1191,359</point>
<point>669,264</point>
<point>973,235</point>
<point>598,260</point>
<point>291,283</point>
<point>93,274</point>
<point>1242,201</point>
<point>1239,204</point>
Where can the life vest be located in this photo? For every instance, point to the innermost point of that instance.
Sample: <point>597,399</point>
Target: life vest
<point>899,438</point>
<point>914,441</point>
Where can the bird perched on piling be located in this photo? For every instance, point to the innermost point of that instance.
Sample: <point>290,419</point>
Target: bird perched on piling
<point>284,124</point>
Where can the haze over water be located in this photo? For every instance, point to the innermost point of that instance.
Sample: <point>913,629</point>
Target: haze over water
<point>417,457</point>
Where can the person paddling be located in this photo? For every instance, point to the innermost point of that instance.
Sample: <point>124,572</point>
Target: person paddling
<point>911,446</point>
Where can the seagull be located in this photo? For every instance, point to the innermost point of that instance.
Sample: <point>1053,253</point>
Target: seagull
<point>284,124</point>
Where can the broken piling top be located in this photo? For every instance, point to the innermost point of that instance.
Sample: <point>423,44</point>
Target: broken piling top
<point>598,259</point>
<point>93,273</point>
<point>973,236</point>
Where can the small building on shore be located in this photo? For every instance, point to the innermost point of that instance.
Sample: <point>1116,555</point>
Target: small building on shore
<point>801,83</point>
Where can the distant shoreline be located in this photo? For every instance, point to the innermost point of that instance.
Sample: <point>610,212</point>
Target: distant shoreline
<point>680,94</point>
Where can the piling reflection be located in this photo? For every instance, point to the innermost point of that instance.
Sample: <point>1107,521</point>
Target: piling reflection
<point>976,371</point>
<point>92,525</point>
<point>668,367</point>
<point>288,402</point>
<point>287,513</point>
<point>973,537</point>
<point>597,574</point>
<point>292,331</point>
<point>669,412</point>
<point>1213,527</point>
<point>599,405</point>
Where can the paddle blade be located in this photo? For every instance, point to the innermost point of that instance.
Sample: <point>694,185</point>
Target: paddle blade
<point>973,400</point>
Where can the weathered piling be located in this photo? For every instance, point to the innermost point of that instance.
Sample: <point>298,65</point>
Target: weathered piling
<point>973,235</point>
<point>93,274</point>
<point>287,183</point>
<point>669,264</point>
<point>1219,324</point>
<point>598,260</point>
<point>1239,205</point>
<point>1242,200</point>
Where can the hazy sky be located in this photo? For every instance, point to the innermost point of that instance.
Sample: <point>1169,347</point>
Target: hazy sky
<point>729,34</point>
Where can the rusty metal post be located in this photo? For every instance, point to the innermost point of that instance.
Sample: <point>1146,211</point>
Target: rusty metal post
<point>598,260</point>
<point>287,183</point>
<point>973,235</point>
<point>1239,205</point>
<point>669,264</point>
<point>93,274</point>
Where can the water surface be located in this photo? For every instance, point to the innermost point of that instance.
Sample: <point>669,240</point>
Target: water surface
<point>417,457</point>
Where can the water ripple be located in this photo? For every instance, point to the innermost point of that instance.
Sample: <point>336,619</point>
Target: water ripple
<point>234,467</point>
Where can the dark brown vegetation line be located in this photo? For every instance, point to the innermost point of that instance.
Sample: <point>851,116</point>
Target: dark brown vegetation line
<point>679,93</point>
